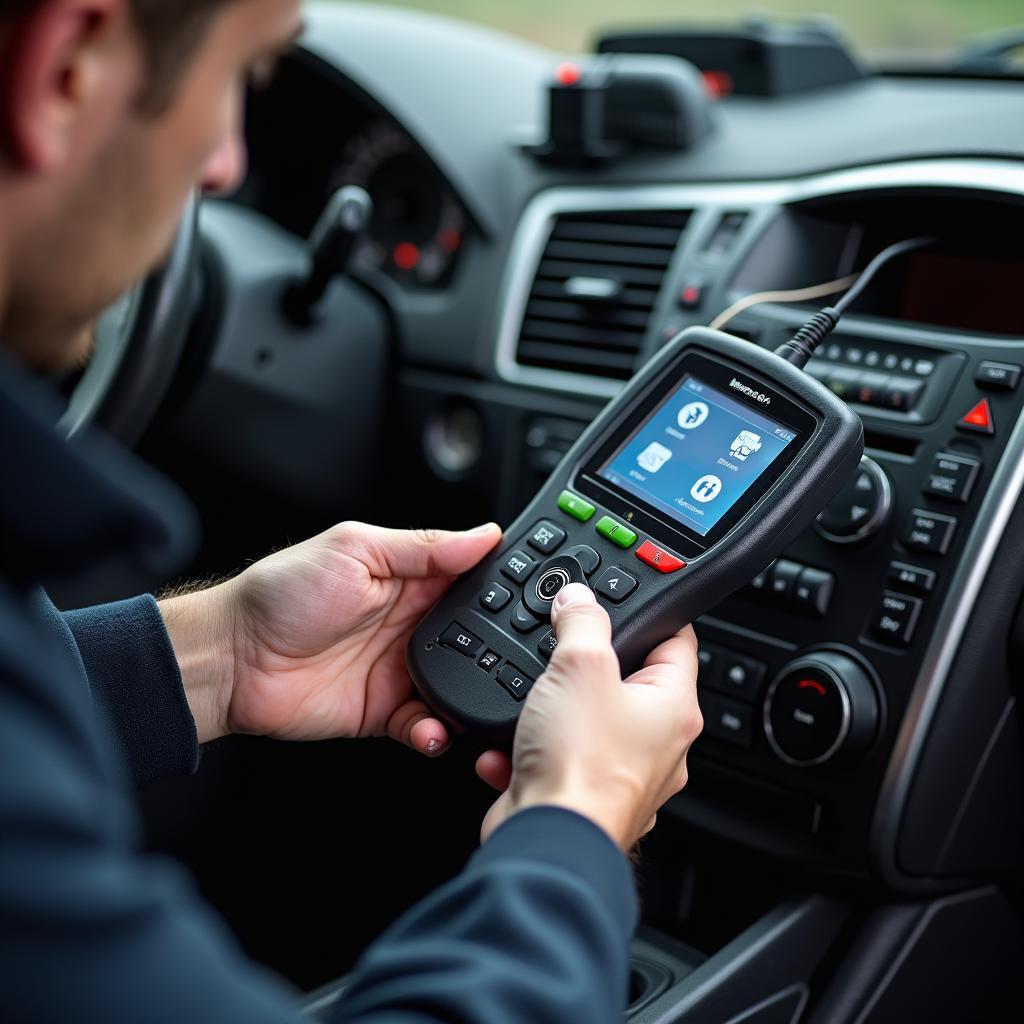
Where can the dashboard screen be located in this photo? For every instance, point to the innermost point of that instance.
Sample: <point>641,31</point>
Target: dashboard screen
<point>697,454</point>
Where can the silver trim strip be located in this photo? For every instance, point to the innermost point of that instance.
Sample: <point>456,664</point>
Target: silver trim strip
<point>531,236</point>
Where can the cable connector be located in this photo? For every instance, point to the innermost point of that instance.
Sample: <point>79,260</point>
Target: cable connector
<point>801,346</point>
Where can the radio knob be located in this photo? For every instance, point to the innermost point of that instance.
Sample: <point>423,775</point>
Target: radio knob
<point>860,509</point>
<point>819,707</point>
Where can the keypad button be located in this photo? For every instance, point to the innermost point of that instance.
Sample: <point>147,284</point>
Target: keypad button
<point>546,538</point>
<point>517,683</point>
<point>575,506</point>
<point>616,532</point>
<point>551,577</point>
<point>952,476</point>
<point>458,638</point>
<point>547,644</point>
<point>912,577</point>
<point>494,597</point>
<point>783,581</point>
<point>488,660</point>
<point>812,592</point>
<point>589,559</point>
<point>523,619</point>
<point>518,566</point>
<point>616,584</point>
<point>896,618</point>
<point>929,531</point>
<point>650,554</point>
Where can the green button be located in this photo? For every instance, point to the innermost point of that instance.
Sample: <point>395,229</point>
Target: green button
<point>575,506</point>
<point>616,532</point>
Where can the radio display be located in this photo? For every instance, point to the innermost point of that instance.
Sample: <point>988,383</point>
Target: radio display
<point>697,453</point>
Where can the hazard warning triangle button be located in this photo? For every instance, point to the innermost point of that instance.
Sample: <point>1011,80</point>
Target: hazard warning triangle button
<point>979,419</point>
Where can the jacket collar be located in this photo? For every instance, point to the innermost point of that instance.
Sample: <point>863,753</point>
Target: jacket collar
<point>84,517</point>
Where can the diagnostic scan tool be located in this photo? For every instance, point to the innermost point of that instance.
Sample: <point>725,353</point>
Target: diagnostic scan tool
<point>711,460</point>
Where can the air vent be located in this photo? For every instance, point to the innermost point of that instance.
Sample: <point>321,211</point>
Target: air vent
<point>595,290</point>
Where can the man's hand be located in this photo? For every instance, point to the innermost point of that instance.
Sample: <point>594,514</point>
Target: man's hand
<point>612,750</point>
<point>309,643</point>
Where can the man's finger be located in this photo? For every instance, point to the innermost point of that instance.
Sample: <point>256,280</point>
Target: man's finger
<point>495,769</point>
<point>413,725</point>
<point>420,554</point>
<point>581,624</point>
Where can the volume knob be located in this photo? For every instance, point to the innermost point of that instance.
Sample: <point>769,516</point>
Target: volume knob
<point>819,707</point>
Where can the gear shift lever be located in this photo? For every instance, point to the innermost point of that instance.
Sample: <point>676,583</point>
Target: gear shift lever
<point>332,242</point>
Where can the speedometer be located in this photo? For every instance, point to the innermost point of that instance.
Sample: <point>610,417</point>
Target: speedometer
<point>418,225</point>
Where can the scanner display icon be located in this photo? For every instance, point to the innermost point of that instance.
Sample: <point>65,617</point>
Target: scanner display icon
<point>746,444</point>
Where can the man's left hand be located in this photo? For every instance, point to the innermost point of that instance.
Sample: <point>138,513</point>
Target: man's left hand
<point>310,642</point>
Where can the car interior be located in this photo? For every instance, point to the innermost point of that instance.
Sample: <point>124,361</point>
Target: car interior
<point>452,248</point>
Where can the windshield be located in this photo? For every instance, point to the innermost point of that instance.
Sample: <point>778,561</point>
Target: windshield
<point>884,31</point>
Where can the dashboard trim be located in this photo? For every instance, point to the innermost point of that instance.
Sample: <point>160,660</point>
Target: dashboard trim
<point>1005,490</point>
<point>969,175</point>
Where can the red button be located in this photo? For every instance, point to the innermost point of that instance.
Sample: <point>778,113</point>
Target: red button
<point>660,560</point>
<point>979,419</point>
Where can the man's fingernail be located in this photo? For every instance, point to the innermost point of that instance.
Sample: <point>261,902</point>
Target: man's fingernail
<point>574,593</point>
<point>486,528</point>
<point>433,746</point>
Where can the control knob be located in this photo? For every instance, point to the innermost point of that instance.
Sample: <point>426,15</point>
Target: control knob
<point>819,707</point>
<point>860,509</point>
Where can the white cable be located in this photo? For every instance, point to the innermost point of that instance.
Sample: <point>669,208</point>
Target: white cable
<point>816,291</point>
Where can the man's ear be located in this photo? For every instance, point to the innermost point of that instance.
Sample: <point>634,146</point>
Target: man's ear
<point>55,60</point>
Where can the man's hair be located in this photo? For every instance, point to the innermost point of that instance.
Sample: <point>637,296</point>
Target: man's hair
<point>170,31</point>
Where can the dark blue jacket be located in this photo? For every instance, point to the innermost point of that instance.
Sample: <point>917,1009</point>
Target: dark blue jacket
<point>535,929</point>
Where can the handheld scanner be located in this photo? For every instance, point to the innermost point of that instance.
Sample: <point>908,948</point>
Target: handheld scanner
<point>712,459</point>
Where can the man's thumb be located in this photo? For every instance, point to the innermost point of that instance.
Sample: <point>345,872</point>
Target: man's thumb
<point>421,554</point>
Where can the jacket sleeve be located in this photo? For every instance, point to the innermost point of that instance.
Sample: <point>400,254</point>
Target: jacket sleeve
<point>134,677</point>
<point>536,929</point>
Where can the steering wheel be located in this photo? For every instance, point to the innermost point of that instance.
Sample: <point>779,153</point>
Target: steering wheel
<point>139,344</point>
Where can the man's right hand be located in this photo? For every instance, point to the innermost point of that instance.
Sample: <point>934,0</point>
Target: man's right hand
<point>610,749</point>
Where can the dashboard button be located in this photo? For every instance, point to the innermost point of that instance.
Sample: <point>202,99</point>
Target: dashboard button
<point>952,476</point>
<point>896,618</point>
<point>783,581</point>
<point>979,420</point>
<point>998,376</point>
<point>515,682</point>
<point>575,506</point>
<point>929,531</point>
<point>458,638</point>
<point>812,592</point>
<point>616,584</point>
<point>758,586</point>
<point>546,538</point>
<point>709,661</point>
<point>614,531</point>
<point>650,554</point>
<point>727,719</point>
<point>547,644</point>
<point>912,577</point>
<point>523,620</point>
<point>588,558</point>
<point>901,393</point>
<point>494,597</point>
<point>742,677</point>
<point>518,566</point>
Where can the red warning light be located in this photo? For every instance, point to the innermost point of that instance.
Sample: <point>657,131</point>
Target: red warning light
<point>568,73</point>
<point>979,418</point>
<point>718,84</point>
<point>406,256</point>
<point>451,240</point>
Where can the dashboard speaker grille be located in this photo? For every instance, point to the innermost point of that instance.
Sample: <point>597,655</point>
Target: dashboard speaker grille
<point>595,289</point>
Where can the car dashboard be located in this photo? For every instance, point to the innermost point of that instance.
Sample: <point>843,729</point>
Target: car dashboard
<point>914,574</point>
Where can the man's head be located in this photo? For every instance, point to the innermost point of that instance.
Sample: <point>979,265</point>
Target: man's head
<point>110,112</point>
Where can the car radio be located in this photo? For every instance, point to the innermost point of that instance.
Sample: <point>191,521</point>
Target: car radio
<point>712,459</point>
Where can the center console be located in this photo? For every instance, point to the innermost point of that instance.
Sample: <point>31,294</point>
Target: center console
<point>819,679</point>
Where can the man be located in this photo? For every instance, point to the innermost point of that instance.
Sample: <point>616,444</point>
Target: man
<point>112,110</point>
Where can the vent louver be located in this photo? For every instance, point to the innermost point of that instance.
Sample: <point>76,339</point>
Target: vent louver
<point>595,290</point>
